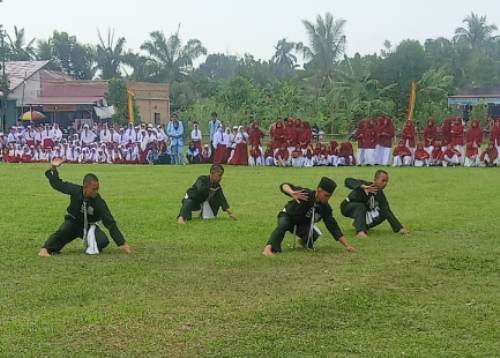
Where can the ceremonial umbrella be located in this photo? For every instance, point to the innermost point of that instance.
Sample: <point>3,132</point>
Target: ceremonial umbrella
<point>32,116</point>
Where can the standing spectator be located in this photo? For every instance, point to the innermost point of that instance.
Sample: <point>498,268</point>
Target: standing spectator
<point>196,136</point>
<point>213,127</point>
<point>175,132</point>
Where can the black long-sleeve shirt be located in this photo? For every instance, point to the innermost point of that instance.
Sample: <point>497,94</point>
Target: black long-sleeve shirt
<point>203,190</point>
<point>300,213</point>
<point>97,209</point>
<point>358,195</point>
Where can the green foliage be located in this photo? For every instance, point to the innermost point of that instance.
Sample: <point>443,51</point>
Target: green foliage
<point>117,96</point>
<point>110,55</point>
<point>68,55</point>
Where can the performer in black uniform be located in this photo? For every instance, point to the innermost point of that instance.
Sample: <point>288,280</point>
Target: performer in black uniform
<point>206,195</point>
<point>368,206</point>
<point>300,214</point>
<point>86,208</point>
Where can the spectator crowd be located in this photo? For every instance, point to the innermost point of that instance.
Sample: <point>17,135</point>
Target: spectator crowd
<point>291,143</point>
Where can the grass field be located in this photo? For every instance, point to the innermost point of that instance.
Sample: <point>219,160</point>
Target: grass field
<point>205,290</point>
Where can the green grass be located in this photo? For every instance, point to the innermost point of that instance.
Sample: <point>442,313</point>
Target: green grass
<point>205,290</point>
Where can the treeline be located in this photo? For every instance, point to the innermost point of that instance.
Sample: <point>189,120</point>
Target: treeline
<point>331,89</point>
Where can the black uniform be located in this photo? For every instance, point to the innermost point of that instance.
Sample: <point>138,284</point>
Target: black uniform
<point>73,225</point>
<point>358,204</point>
<point>201,192</point>
<point>297,218</point>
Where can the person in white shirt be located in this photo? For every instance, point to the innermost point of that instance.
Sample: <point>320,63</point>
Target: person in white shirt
<point>105,135</point>
<point>47,140</point>
<point>30,136</point>
<point>137,136</point>
<point>196,136</point>
<point>128,134</point>
<point>87,137</point>
<point>56,133</point>
<point>115,136</point>
<point>11,138</point>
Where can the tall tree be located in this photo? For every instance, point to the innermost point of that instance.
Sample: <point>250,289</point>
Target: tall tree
<point>68,55</point>
<point>142,67</point>
<point>173,60</point>
<point>326,44</point>
<point>109,55</point>
<point>20,49</point>
<point>476,32</point>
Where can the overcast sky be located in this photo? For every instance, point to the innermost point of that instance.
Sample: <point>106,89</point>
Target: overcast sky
<point>237,27</point>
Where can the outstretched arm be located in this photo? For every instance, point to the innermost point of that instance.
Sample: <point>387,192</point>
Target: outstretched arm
<point>391,218</point>
<point>110,223</point>
<point>55,182</point>
<point>297,193</point>
<point>334,229</point>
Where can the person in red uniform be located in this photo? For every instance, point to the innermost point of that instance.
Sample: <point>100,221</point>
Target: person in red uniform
<point>402,155</point>
<point>290,138</point>
<point>489,158</point>
<point>430,135</point>
<point>346,154</point>
<point>421,156</point>
<point>457,136</point>
<point>409,135</point>
<point>437,155</point>
<point>385,135</point>
<point>473,139</point>
<point>362,138</point>
<point>495,134</point>
<point>255,135</point>
<point>277,134</point>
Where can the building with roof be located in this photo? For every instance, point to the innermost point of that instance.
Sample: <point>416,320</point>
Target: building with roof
<point>468,98</point>
<point>66,101</point>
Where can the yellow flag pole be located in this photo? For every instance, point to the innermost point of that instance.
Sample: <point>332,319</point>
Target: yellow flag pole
<point>413,97</point>
<point>131,115</point>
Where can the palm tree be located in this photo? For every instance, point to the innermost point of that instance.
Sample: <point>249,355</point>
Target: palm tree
<point>19,49</point>
<point>477,32</point>
<point>327,44</point>
<point>284,56</point>
<point>172,60</point>
<point>110,55</point>
<point>142,67</point>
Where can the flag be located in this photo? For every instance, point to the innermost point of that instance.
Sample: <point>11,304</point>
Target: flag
<point>131,115</point>
<point>413,97</point>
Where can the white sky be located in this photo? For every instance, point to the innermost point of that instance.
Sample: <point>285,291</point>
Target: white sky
<point>236,27</point>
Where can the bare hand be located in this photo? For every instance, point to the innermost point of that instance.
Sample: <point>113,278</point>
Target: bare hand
<point>299,196</point>
<point>404,232</point>
<point>57,162</point>
<point>350,248</point>
<point>369,188</point>
<point>126,249</point>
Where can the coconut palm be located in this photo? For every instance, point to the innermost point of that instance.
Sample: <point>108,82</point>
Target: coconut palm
<point>20,50</point>
<point>326,44</point>
<point>172,60</point>
<point>283,55</point>
<point>110,55</point>
<point>476,32</point>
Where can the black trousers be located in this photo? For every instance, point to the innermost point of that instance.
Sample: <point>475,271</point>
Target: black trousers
<point>190,205</point>
<point>285,223</point>
<point>357,211</point>
<point>69,231</point>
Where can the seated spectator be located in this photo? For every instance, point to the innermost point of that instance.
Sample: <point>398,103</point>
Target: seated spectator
<point>489,157</point>
<point>422,158</point>
<point>193,154</point>
<point>451,156</point>
<point>402,155</point>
